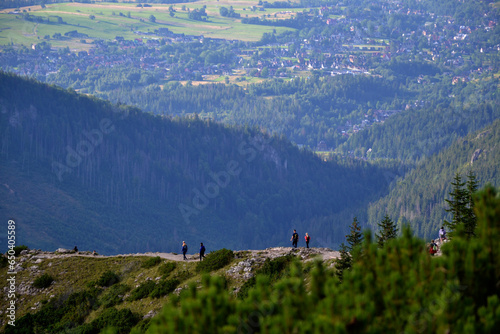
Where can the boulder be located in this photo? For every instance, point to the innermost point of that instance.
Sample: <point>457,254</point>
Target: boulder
<point>64,251</point>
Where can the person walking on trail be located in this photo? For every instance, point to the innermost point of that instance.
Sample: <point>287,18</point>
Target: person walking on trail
<point>308,238</point>
<point>184,249</point>
<point>442,234</point>
<point>295,238</point>
<point>202,251</point>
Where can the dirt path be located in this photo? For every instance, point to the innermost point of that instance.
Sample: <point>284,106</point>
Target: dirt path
<point>325,253</point>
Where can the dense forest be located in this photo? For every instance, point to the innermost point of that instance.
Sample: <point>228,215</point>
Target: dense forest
<point>418,197</point>
<point>308,111</point>
<point>305,110</point>
<point>111,176</point>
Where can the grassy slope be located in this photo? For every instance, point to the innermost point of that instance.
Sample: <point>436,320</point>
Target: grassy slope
<point>73,273</point>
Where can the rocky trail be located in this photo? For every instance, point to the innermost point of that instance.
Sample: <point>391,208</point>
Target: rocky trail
<point>273,252</point>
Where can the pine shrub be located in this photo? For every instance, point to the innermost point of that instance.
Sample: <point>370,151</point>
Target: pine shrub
<point>142,291</point>
<point>121,321</point>
<point>43,281</point>
<point>215,260</point>
<point>114,295</point>
<point>166,268</point>
<point>151,262</point>
<point>108,279</point>
<point>19,249</point>
<point>164,287</point>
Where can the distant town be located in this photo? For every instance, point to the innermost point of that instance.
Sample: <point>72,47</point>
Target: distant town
<point>352,45</point>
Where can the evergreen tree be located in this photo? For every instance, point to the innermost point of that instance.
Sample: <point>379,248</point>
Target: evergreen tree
<point>470,220</point>
<point>344,262</point>
<point>354,238</point>
<point>388,230</point>
<point>457,204</point>
<point>461,205</point>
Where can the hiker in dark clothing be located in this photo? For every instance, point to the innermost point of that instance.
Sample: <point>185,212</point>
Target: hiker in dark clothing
<point>295,238</point>
<point>202,251</point>
<point>308,238</point>
<point>184,249</point>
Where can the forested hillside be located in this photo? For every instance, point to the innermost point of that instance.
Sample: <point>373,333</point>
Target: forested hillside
<point>419,197</point>
<point>306,110</point>
<point>447,112</point>
<point>77,170</point>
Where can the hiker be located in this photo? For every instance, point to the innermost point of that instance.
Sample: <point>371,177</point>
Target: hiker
<point>442,234</point>
<point>202,251</point>
<point>94,253</point>
<point>433,248</point>
<point>75,249</point>
<point>295,238</point>
<point>308,238</point>
<point>184,249</point>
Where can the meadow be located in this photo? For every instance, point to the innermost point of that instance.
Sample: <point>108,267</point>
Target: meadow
<point>108,20</point>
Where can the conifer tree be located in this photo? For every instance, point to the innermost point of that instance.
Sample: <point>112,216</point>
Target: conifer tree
<point>388,230</point>
<point>354,238</point>
<point>344,262</point>
<point>457,204</point>
<point>461,205</point>
<point>470,220</point>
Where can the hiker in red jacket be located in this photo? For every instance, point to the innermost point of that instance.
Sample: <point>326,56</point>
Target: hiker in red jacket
<point>308,238</point>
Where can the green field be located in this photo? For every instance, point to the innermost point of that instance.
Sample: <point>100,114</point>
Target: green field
<point>123,19</point>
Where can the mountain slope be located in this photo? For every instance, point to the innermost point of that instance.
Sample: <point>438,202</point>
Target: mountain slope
<point>78,170</point>
<point>444,114</point>
<point>419,197</point>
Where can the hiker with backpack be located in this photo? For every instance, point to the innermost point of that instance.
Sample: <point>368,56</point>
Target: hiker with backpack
<point>433,248</point>
<point>295,238</point>
<point>308,238</point>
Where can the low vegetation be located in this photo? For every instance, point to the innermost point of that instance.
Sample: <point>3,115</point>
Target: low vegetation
<point>43,281</point>
<point>215,260</point>
<point>108,279</point>
<point>114,295</point>
<point>272,269</point>
<point>396,288</point>
<point>151,262</point>
<point>429,294</point>
<point>164,287</point>
<point>166,268</point>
